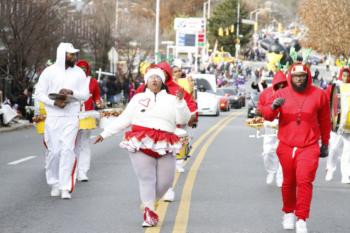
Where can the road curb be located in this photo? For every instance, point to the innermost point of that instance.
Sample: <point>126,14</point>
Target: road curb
<point>15,127</point>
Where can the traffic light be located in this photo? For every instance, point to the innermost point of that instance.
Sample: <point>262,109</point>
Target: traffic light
<point>279,28</point>
<point>232,29</point>
<point>221,32</point>
<point>255,26</point>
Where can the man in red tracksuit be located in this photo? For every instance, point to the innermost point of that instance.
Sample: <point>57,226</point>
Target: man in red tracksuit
<point>304,119</point>
<point>271,163</point>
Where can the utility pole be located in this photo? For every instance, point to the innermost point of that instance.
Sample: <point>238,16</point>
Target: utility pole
<point>237,32</point>
<point>156,45</point>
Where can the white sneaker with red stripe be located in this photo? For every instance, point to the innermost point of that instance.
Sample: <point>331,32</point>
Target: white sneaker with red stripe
<point>65,194</point>
<point>150,218</point>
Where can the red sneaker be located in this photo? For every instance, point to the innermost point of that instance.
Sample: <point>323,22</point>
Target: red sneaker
<point>150,218</point>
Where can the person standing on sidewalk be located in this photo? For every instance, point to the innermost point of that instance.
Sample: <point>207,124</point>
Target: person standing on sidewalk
<point>153,116</point>
<point>62,122</point>
<point>87,123</point>
<point>303,112</point>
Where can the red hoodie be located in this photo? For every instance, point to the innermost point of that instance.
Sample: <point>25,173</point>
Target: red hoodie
<point>93,87</point>
<point>173,87</point>
<point>266,97</point>
<point>310,107</point>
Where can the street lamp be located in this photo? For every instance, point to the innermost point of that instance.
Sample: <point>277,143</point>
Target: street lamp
<point>156,45</point>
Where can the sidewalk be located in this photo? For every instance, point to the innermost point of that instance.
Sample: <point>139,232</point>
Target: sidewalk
<point>20,124</point>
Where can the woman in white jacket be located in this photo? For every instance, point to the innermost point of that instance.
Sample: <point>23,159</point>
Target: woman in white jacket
<point>153,116</point>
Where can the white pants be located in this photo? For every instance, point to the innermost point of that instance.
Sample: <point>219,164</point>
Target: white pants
<point>155,176</point>
<point>270,143</point>
<point>83,151</point>
<point>60,136</point>
<point>339,146</point>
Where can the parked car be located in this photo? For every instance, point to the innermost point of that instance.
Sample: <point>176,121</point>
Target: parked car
<point>253,104</point>
<point>224,100</point>
<point>236,98</point>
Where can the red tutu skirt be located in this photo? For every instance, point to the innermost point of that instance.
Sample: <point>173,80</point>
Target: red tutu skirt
<point>151,141</point>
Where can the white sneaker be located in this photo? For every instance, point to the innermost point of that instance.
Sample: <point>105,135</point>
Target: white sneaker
<point>180,166</point>
<point>82,177</point>
<point>301,226</point>
<point>55,192</point>
<point>329,175</point>
<point>279,181</point>
<point>169,196</point>
<point>269,178</point>
<point>345,180</point>
<point>288,221</point>
<point>65,194</point>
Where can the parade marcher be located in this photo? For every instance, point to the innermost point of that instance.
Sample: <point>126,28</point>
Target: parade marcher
<point>182,80</point>
<point>153,116</point>
<point>270,141</point>
<point>340,143</point>
<point>62,122</point>
<point>173,88</point>
<point>304,118</point>
<point>83,149</point>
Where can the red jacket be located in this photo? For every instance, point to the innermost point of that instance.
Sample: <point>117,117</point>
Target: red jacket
<point>173,87</point>
<point>311,107</point>
<point>93,87</point>
<point>266,97</point>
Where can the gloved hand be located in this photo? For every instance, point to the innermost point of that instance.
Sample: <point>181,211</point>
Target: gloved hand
<point>277,103</point>
<point>324,151</point>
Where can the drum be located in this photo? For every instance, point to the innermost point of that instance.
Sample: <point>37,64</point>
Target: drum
<point>87,123</point>
<point>87,119</point>
<point>340,112</point>
<point>40,127</point>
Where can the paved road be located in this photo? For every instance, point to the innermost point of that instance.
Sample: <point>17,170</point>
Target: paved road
<point>222,190</point>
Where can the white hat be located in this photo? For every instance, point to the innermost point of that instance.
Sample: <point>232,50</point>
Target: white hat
<point>298,69</point>
<point>71,49</point>
<point>155,71</point>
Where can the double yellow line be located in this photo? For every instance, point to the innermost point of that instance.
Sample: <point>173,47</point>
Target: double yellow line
<point>181,221</point>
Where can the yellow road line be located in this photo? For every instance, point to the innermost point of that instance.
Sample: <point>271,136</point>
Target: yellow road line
<point>163,206</point>
<point>182,215</point>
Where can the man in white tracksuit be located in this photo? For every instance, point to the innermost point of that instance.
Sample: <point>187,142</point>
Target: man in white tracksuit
<point>62,122</point>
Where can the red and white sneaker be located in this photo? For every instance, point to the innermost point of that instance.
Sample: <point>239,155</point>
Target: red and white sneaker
<point>150,218</point>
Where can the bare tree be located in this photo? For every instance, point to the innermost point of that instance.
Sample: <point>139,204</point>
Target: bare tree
<point>328,27</point>
<point>29,32</point>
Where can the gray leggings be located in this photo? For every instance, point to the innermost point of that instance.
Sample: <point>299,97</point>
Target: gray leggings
<point>155,176</point>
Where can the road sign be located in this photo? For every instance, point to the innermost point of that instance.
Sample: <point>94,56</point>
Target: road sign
<point>248,21</point>
<point>189,24</point>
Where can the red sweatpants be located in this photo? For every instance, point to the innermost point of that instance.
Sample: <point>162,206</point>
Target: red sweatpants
<point>298,174</point>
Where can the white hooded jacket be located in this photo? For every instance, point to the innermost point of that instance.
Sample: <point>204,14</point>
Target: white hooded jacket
<point>56,77</point>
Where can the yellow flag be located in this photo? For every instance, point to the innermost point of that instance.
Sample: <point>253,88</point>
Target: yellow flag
<point>227,31</point>
<point>232,28</point>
